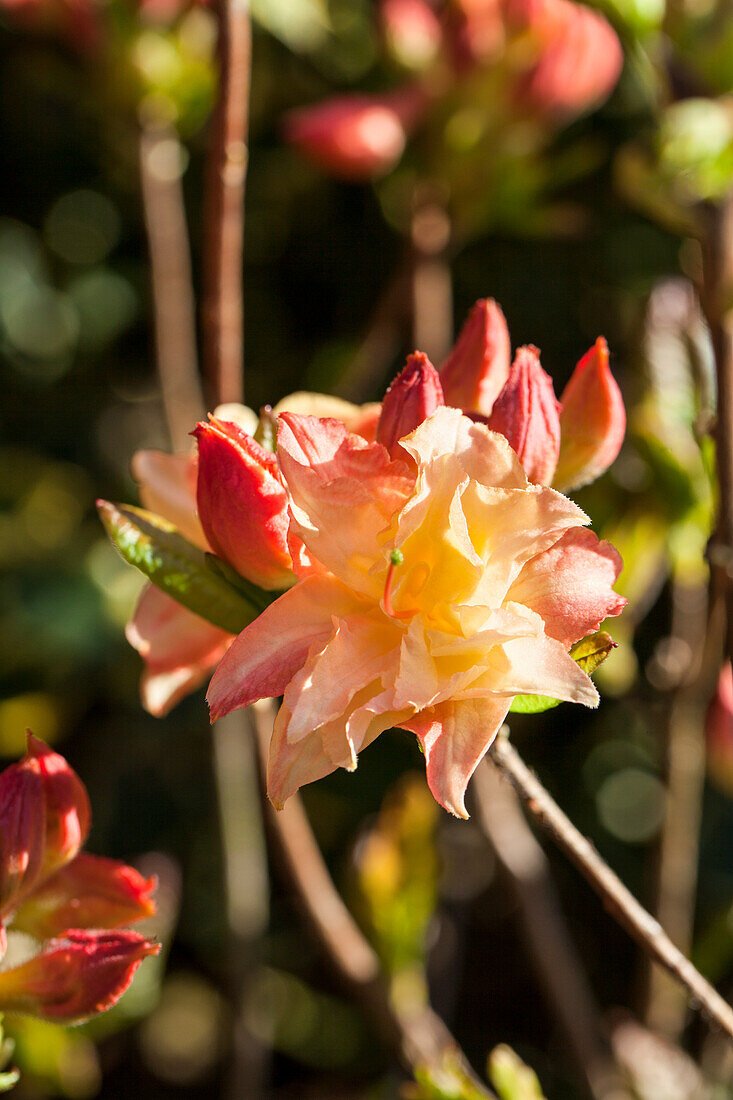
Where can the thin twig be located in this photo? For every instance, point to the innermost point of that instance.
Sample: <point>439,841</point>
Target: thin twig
<point>618,900</point>
<point>419,1036</point>
<point>559,967</point>
<point>174,308</point>
<point>432,286</point>
<point>222,310</point>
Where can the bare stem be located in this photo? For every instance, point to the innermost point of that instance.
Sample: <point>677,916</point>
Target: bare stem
<point>617,899</point>
<point>558,965</point>
<point>432,288</point>
<point>222,309</point>
<point>381,341</point>
<point>418,1035</point>
<point>174,308</point>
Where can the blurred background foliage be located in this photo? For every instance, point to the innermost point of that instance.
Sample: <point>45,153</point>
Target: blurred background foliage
<point>592,235</point>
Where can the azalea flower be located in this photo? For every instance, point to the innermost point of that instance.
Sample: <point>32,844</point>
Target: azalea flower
<point>441,584</point>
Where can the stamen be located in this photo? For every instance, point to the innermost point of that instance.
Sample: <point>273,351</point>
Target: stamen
<point>396,558</point>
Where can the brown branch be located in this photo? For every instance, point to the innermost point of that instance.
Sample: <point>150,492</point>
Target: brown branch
<point>419,1036</point>
<point>174,308</point>
<point>618,900</point>
<point>559,968</point>
<point>222,309</point>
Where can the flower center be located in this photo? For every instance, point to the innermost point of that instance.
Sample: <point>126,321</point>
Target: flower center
<point>396,558</point>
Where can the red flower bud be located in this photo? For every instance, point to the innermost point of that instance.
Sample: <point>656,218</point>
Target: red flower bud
<point>243,506</point>
<point>412,32</point>
<point>356,137</point>
<point>414,395</point>
<point>527,414</point>
<point>719,732</point>
<point>593,421</point>
<point>22,831</point>
<point>89,892</point>
<point>474,373</point>
<point>75,976</point>
<point>66,805</point>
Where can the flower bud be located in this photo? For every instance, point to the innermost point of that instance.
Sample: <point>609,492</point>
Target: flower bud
<point>356,137</point>
<point>66,804</point>
<point>414,395</point>
<point>719,732</point>
<point>89,892</point>
<point>474,373</point>
<point>76,976</point>
<point>527,414</point>
<point>412,32</point>
<point>22,831</point>
<point>593,421</point>
<point>242,504</point>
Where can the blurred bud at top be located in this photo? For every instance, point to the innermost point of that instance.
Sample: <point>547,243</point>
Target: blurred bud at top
<point>414,395</point>
<point>67,809</point>
<point>719,732</point>
<point>579,57</point>
<point>356,137</point>
<point>526,413</point>
<point>75,976</point>
<point>89,892</point>
<point>477,368</point>
<point>22,831</point>
<point>593,421</point>
<point>476,32</point>
<point>242,504</point>
<point>411,31</point>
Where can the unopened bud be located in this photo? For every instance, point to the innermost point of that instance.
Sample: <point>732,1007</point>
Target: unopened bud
<point>592,420</point>
<point>474,373</point>
<point>22,831</point>
<point>414,395</point>
<point>68,813</point>
<point>527,414</point>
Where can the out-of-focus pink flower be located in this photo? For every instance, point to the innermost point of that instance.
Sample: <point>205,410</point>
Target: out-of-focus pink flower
<point>526,413</point>
<point>414,395</point>
<point>242,504</point>
<point>356,137</point>
<point>89,892</point>
<point>75,976</point>
<point>412,32</point>
<point>477,368</point>
<point>578,57</point>
<point>592,420</point>
<point>417,618</point>
<point>66,806</point>
<point>719,732</point>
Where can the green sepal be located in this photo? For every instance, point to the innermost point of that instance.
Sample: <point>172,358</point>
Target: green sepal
<point>589,653</point>
<point>180,569</point>
<point>511,1078</point>
<point>8,1078</point>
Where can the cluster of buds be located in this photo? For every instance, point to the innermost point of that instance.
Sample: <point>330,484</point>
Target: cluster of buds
<point>73,903</point>
<point>231,498</point>
<point>555,58</point>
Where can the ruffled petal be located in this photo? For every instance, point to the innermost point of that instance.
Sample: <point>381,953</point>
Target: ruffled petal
<point>571,585</point>
<point>455,736</point>
<point>267,654</point>
<point>534,666</point>
<point>481,454</point>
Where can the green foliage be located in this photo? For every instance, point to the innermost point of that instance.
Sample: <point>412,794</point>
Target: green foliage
<point>182,570</point>
<point>8,1078</point>
<point>511,1078</point>
<point>449,1081</point>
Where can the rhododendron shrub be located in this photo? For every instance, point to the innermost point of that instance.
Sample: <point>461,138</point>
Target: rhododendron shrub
<point>72,902</point>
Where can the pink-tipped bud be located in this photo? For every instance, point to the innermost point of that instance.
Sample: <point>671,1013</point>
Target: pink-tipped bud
<point>356,137</point>
<point>414,395</point>
<point>412,32</point>
<point>90,892</point>
<point>719,732</point>
<point>22,831</point>
<point>242,504</point>
<point>527,414</point>
<point>593,421</point>
<point>78,975</point>
<point>580,60</point>
<point>477,368</point>
<point>68,813</point>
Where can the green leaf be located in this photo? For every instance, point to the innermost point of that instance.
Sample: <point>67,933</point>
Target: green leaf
<point>511,1078</point>
<point>532,704</point>
<point>592,651</point>
<point>180,569</point>
<point>589,653</point>
<point>448,1081</point>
